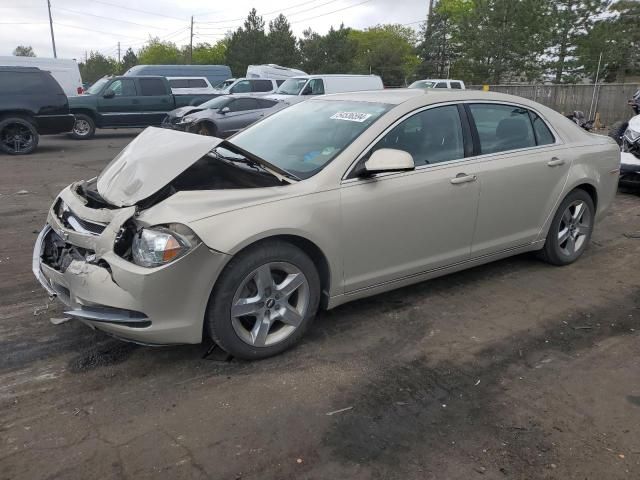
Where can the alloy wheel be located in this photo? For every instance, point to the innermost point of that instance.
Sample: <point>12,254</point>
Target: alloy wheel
<point>574,228</point>
<point>81,127</point>
<point>17,138</point>
<point>270,304</point>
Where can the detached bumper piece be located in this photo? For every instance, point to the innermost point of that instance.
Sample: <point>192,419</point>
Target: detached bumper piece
<point>119,316</point>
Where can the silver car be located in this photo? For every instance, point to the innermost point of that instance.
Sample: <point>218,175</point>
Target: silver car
<point>337,198</point>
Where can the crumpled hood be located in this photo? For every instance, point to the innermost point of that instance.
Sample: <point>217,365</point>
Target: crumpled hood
<point>634,123</point>
<point>182,111</point>
<point>206,113</point>
<point>149,162</point>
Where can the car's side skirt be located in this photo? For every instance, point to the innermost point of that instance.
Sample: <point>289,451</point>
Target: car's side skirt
<point>428,275</point>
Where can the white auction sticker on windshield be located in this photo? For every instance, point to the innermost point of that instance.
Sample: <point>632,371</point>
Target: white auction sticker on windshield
<point>350,116</point>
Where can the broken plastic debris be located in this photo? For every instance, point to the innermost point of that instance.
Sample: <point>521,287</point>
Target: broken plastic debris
<point>22,192</point>
<point>58,321</point>
<point>339,411</point>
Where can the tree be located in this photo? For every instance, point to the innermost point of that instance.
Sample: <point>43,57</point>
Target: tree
<point>97,66</point>
<point>128,60</point>
<point>158,52</point>
<point>282,43</point>
<point>386,50</point>
<point>312,54</point>
<point>248,45</point>
<point>207,54</point>
<point>438,49</point>
<point>569,21</point>
<point>502,40</point>
<point>24,51</point>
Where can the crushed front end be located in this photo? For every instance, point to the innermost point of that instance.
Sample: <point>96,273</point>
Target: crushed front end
<point>83,256</point>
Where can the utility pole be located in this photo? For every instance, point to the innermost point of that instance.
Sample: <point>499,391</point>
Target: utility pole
<point>53,40</point>
<point>191,43</point>
<point>118,53</point>
<point>430,14</point>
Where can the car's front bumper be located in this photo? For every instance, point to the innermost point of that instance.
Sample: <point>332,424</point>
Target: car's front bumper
<point>163,305</point>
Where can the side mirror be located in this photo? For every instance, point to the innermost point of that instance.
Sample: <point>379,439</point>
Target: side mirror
<point>224,110</point>
<point>388,160</point>
<point>109,93</point>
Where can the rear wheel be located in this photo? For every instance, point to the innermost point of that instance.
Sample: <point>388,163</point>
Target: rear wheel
<point>570,230</point>
<point>84,127</point>
<point>617,131</point>
<point>264,301</point>
<point>18,136</point>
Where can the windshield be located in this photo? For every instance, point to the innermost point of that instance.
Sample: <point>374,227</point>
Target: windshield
<point>292,86</point>
<point>423,84</point>
<point>305,137</point>
<point>225,84</point>
<point>216,103</point>
<point>96,87</point>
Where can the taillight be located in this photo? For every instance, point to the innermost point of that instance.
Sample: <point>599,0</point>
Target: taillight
<point>80,90</point>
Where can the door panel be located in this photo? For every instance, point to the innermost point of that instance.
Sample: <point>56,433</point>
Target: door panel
<point>154,100</point>
<point>120,109</point>
<point>518,192</point>
<point>403,224</point>
<point>521,176</point>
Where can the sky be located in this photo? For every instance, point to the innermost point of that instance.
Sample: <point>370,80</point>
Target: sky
<point>84,25</point>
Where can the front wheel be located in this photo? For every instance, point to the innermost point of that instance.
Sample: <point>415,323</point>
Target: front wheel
<point>84,127</point>
<point>570,230</point>
<point>617,131</point>
<point>18,136</point>
<point>264,301</point>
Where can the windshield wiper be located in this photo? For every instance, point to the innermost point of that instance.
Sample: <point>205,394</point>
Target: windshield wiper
<point>258,160</point>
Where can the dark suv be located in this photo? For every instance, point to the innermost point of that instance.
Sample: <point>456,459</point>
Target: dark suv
<point>31,104</point>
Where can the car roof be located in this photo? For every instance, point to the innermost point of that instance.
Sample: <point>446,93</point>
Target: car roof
<point>19,69</point>
<point>397,96</point>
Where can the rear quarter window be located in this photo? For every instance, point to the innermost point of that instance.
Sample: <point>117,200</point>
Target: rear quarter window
<point>26,83</point>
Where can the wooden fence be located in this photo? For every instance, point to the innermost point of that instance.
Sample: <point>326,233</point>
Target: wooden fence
<point>610,100</point>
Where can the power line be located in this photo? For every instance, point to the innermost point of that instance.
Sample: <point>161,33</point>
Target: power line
<point>137,10</point>
<point>263,15</point>
<point>94,30</point>
<point>77,12</point>
<point>329,13</point>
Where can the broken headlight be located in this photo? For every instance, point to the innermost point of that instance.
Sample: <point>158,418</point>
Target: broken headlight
<point>156,246</point>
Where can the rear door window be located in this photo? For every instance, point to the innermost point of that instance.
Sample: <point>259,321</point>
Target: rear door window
<point>151,87</point>
<point>441,85</point>
<point>263,103</point>
<point>543,134</point>
<point>243,104</point>
<point>262,85</point>
<point>456,85</point>
<point>502,127</point>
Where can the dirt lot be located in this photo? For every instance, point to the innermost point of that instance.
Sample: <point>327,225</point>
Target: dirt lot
<point>514,370</point>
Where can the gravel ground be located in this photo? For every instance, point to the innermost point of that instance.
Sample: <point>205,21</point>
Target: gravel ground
<point>513,370</point>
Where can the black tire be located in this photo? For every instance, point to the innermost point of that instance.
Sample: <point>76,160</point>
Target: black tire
<point>206,129</point>
<point>617,131</point>
<point>218,321</point>
<point>84,127</point>
<point>553,252</point>
<point>18,136</point>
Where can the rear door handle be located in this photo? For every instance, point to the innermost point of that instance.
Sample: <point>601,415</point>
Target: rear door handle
<point>463,178</point>
<point>555,162</point>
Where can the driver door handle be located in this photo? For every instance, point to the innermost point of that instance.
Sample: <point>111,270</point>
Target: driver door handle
<point>555,162</point>
<point>463,178</point>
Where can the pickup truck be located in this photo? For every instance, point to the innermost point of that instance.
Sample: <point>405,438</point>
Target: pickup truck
<point>125,102</point>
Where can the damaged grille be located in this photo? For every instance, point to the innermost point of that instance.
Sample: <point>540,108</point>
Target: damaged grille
<point>70,220</point>
<point>58,254</point>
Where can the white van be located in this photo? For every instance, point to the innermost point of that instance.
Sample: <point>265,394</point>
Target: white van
<point>65,71</point>
<point>297,89</point>
<point>439,83</point>
<point>273,71</point>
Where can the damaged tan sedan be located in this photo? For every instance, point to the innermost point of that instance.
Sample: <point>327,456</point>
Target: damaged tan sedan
<point>183,237</point>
